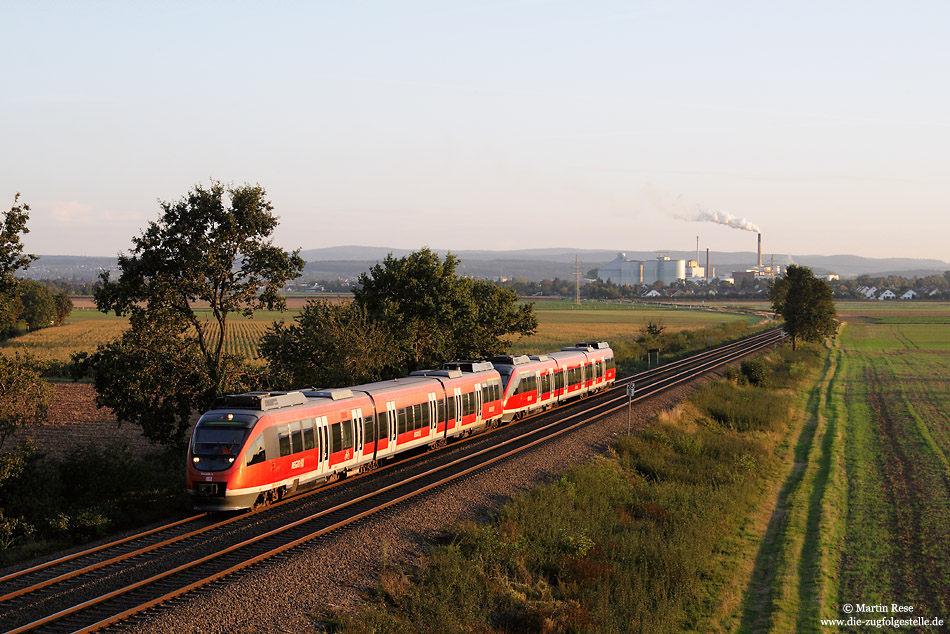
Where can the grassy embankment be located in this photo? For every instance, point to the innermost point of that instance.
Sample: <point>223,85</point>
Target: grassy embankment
<point>864,518</point>
<point>655,536</point>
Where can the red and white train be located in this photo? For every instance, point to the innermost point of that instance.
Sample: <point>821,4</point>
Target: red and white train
<point>255,448</point>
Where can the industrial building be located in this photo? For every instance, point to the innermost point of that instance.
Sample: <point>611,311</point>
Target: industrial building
<point>623,271</point>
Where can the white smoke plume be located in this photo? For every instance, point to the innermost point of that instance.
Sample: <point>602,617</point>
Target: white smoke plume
<point>722,218</point>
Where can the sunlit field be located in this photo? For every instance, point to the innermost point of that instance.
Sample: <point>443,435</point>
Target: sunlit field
<point>560,324</point>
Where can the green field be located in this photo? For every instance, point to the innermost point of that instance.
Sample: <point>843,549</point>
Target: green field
<point>864,516</point>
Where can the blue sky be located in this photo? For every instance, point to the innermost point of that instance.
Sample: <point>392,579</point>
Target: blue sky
<point>487,125</point>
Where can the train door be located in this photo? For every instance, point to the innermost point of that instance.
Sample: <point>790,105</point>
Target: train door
<point>391,421</point>
<point>433,415</point>
<point>323,443</point>
<point>357,416</point>
<point>458,406</point>
<point>479,401</point>
<point>538,387</point>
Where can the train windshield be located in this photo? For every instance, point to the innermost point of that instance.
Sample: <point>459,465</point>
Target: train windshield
<point>221,441</point>
<point>216,448</point>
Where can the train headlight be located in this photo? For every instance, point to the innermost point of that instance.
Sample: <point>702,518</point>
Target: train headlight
<point>231,459</point>
<point>195,459</point>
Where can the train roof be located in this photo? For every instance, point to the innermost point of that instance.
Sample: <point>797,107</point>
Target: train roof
<point>469,366</point>
<point>510,359</point>
<point>260,401</point>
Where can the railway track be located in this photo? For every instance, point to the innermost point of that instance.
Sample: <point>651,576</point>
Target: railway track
<point>101,586</point>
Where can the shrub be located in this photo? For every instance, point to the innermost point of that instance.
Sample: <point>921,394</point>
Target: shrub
<point>756,371</point>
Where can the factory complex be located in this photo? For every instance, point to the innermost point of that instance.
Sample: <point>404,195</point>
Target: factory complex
<point>623,271</point>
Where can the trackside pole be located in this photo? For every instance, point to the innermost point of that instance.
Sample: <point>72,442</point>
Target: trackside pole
<point>630,388</point>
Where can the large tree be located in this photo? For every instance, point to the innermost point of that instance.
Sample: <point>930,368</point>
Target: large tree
<point>207,251</point>
<point>435,315</point>
<point>806,303</point>
<point>208,256</point>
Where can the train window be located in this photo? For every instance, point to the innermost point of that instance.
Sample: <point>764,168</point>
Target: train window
<point>369,429</point>
<point>416,422</point>
<point>383,424</point>
<point>347,434</point>
<point>283,440</point>
<point>450,409</point>
<point>440,410</point>
<point>255,454</point>
<point>546,383</point>
<point>426,415</point>
<point>336,438</point>
<point>401,426</point>
<point>296,438</point>
<point>308,440</point>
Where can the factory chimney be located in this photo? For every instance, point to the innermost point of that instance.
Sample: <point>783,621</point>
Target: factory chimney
<point>760,250</point>
<point>707,266</point>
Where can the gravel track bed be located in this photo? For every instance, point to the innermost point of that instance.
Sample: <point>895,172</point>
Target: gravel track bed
<point>335,571</point>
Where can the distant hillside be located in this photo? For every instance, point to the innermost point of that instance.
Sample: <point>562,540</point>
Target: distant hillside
<point>533,264</point>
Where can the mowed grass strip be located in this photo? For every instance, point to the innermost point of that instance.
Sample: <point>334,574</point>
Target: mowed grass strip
<point>795,582</point>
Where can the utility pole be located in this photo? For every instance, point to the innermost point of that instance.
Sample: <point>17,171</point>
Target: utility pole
<point>577,281</point>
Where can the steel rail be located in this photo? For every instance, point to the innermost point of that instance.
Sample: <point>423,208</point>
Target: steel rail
<point>95,549</point>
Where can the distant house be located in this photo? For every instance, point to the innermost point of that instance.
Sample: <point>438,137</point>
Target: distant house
<point>652,293</point>
<point>871,293</point>
<point>887,294</point>
<point>911,294</point>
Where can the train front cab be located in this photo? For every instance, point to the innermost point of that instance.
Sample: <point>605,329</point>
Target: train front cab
<point>215,455</point>
<point>521,376</point>
<point>288,441</point>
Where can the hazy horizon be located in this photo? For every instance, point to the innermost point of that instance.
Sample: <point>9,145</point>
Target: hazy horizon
<point>494,126</point>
